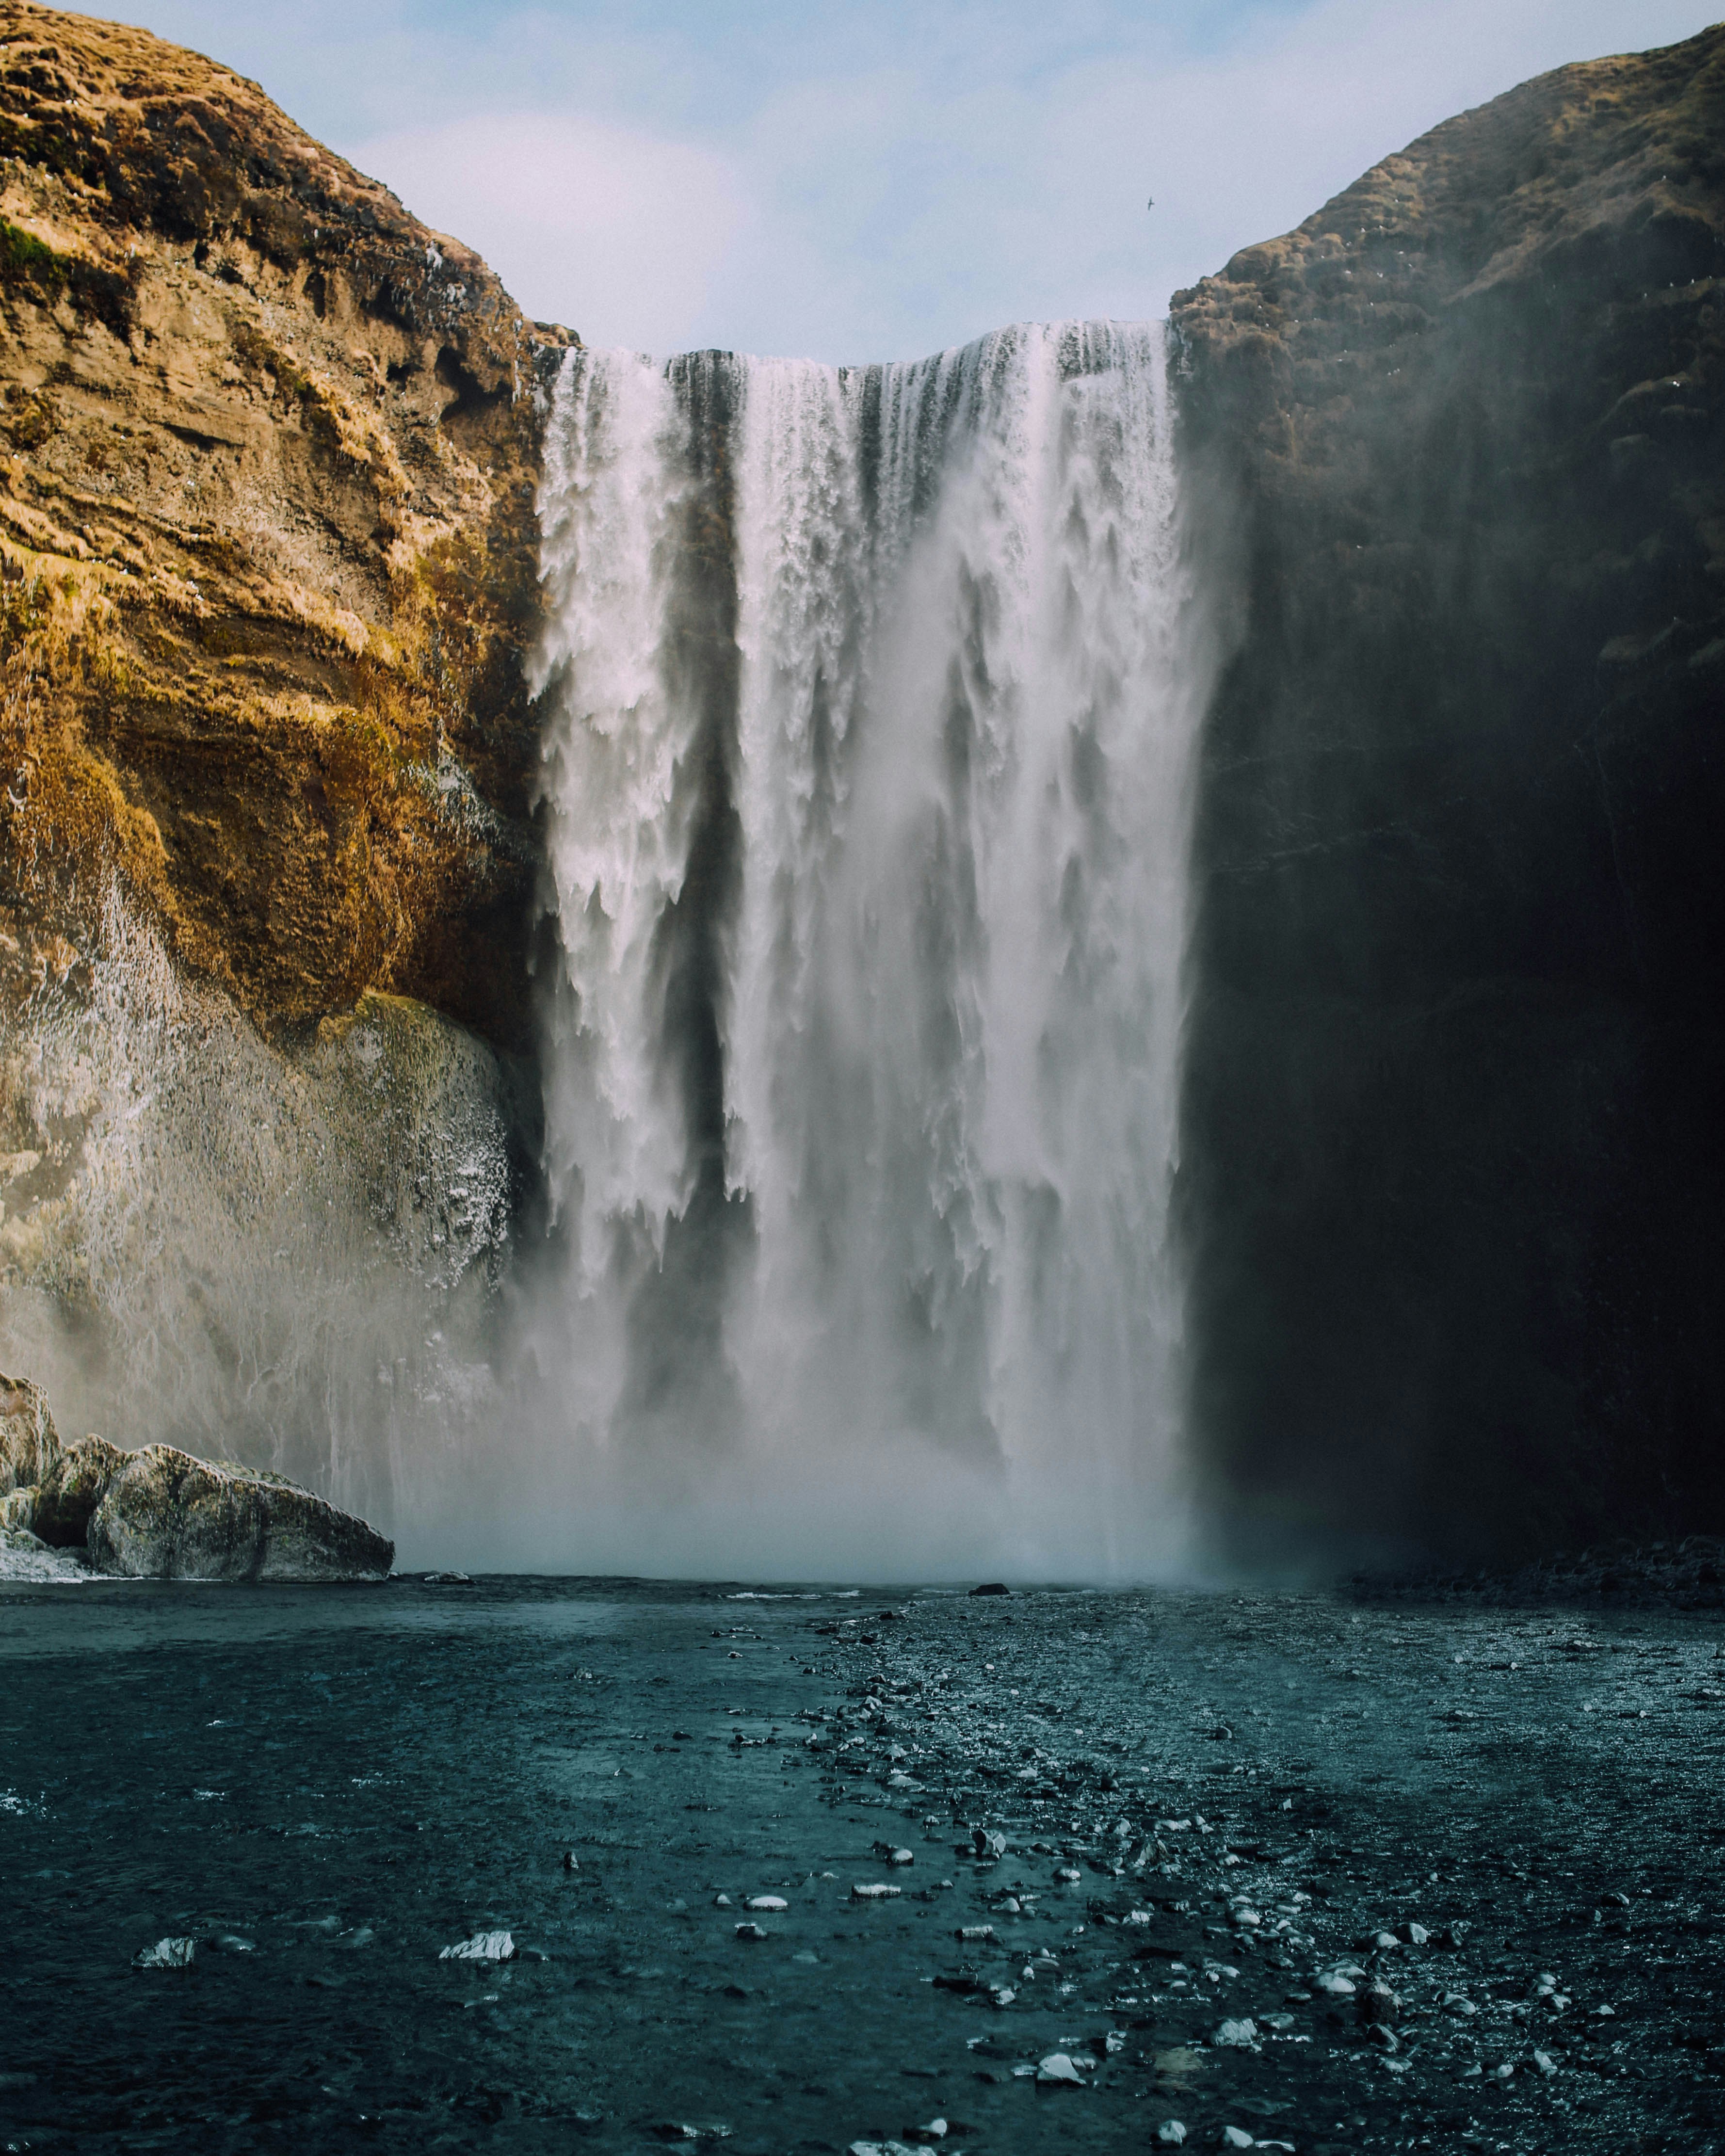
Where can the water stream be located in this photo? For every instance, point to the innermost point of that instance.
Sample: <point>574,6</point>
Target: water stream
<point>873,695</point>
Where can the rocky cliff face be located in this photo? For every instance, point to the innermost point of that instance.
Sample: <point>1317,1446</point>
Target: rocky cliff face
<point>268,549</point>
<point>1454,1154</point>
<point>269,450</point>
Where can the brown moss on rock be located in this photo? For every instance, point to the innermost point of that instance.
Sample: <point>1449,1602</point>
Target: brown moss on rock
<point>269,449</point>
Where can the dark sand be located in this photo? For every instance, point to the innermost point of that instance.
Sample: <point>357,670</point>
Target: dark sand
<point>349,1780</point>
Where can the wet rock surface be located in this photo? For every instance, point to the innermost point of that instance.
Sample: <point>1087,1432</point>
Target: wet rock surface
<point>160,1514</point>
<point>30,1444</point>
<point>163,1515</point>
<point>72,1489</point>
<point>1453,1882</point>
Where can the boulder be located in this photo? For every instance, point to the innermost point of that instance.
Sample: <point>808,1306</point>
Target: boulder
<point>72,1489</point>
<point>164,1515</point>
<point>30,1444</point>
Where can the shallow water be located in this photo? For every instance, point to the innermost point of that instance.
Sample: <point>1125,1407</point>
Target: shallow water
<point>350,1780</point>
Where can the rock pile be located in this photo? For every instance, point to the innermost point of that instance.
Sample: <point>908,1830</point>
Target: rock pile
<point>159,1514</point>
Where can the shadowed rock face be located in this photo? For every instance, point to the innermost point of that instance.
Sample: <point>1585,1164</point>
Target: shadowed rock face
<point>1454,1159</point>
<point>71,1489</point>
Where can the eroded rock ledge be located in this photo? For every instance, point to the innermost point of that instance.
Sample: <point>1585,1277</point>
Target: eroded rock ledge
<point>158,1513</point>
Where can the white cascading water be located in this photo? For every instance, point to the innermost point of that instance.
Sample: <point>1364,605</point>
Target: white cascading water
<point>868,788</point>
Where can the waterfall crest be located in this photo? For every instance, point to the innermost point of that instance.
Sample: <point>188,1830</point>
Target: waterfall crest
<point>873,695</point>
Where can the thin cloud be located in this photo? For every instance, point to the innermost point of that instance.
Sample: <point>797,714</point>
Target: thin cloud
<point>619,232</point>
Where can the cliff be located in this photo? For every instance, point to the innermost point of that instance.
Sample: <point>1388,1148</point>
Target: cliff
<point>1454,1159</point>
<point>269,554</point>
<point>268,549</point>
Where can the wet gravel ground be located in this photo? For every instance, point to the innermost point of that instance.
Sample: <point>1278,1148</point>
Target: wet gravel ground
<point>1289,1872</point>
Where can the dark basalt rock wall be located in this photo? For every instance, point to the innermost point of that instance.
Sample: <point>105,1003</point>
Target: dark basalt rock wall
<point>1453,1163</point>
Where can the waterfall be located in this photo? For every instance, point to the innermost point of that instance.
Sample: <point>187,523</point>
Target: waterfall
<point>873,694</point>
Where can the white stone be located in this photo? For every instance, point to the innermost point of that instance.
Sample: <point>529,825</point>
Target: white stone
<point>165,1953</point>
<point>483,1946</point>
<point>1058,2068</point>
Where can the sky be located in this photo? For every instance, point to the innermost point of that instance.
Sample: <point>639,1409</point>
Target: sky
<point>855,180</point>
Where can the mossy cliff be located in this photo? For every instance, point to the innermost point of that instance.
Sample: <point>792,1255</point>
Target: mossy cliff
<point>268,451</point>
<point>268,455</point>
<point>1454,1151</point>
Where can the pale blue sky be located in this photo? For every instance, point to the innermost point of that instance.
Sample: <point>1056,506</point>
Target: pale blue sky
<point>868,179</point>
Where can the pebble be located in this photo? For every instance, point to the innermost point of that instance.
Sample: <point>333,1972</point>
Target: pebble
<point>975,1932</point>
<point>902,1856</point>
<point>986,1843</point>
<point>1172,2131</point>
<point>1068,1875</point>
<point>766,1902</point>
<point>750,1931</point>
<point>1338,1987</point>
<point>1416,1935</point>
<point>1241,2035</point>
<point>571,1862</point>
<point>1058,2070</point>
<point>1235,2137</point>
<point>165,1953</point>
<point>483,1946</point>
<point>874,1892</point>
<point>721,1902</point>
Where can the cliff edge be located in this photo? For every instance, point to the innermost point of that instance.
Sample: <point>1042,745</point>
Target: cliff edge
<point>268,549</point>
<point>1453,1174</point>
